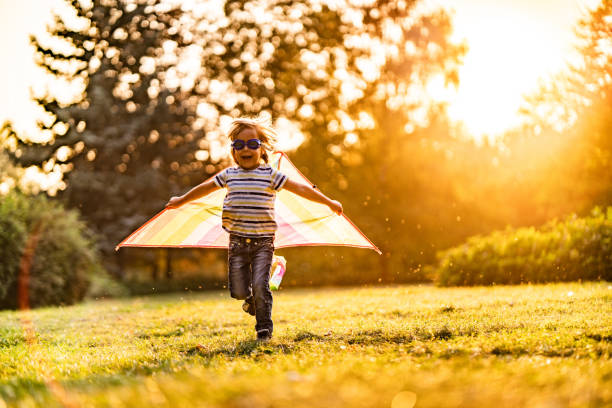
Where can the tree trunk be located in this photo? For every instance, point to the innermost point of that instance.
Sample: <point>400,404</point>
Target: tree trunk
<point>120,260</point>
<point>155,265</point>
<point>169,272</point>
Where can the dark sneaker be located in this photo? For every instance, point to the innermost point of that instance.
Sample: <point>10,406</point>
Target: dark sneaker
<point>264,335</point>
<point>249,306</point>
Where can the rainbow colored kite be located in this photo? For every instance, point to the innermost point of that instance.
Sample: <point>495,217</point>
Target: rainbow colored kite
<point>197,224</point>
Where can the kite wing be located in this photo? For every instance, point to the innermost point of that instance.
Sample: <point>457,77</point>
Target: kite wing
<point>301,222</point>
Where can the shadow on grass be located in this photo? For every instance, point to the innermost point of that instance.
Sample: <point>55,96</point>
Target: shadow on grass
<point>244,348</point>
<point>599,337</point>
<point>249,348</point>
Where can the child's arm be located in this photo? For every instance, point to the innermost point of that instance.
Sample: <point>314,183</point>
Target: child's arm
<point>310,193</point>
<point>198,191</point>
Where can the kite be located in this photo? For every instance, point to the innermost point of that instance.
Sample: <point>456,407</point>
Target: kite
<point>301,222</point>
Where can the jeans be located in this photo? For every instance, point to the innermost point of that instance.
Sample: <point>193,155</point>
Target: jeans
<point>249,262</point>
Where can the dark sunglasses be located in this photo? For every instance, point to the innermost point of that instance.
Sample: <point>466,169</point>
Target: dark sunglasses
<point>251,144</point>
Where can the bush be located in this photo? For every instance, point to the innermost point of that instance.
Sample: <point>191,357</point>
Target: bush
<point>61,255</point>
<point>102,285</point>
<point>12,242</point>
<point>572,249</point>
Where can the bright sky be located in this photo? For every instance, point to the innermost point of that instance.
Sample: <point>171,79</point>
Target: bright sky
<point>18,73</point>
<point>512,43</point>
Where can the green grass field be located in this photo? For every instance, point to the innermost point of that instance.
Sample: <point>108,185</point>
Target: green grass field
<point>505,346</point>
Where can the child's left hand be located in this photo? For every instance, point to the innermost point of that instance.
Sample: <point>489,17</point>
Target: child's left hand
<point>336,207</point>
<point>174,202</point>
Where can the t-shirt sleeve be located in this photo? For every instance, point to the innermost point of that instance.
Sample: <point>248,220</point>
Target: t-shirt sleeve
<point>221,179</point>
<point>278,180</point>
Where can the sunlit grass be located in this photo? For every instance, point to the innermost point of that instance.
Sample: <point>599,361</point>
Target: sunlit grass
<point>504,346</point>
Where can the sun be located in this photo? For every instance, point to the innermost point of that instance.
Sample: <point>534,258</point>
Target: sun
<point>512,45</point>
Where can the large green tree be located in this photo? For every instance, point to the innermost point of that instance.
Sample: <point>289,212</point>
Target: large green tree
<point>126,141</point>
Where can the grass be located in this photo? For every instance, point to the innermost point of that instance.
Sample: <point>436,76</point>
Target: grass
<point>505,346</point>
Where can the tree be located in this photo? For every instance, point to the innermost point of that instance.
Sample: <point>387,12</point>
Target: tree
<point>9,174</point>
<point>576,106</point>
<point>126,142</point>
<point>47,256</point>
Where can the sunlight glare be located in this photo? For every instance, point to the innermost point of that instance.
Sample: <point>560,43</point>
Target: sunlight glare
<point>511,47</point>
<point>498,71</point>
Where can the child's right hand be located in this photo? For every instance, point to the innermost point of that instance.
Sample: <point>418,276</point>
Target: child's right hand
<point>173,202</point>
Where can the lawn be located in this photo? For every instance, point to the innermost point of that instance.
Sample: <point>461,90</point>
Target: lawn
<point>504,346</point>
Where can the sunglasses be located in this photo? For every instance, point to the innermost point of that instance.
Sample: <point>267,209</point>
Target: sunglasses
<point>251,144</point>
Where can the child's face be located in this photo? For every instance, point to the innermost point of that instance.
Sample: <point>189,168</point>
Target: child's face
<point>247,158</point>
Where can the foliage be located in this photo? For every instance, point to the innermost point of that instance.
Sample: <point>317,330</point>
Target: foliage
<point>356,347</point>
<point>370,155</point>
<point>327,70</point>
<point>124,142</point>
<point>586,84</point>
<point>56,267</point>
<point>350,77</point>
<point>572,249</point>
<point>12,241</point>
<point>104,286</point>
<point>572,113</point>
<point>415,192</point>
<point>9,173</point>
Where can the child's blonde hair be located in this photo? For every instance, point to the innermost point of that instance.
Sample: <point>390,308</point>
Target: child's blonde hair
<point>262,126</point>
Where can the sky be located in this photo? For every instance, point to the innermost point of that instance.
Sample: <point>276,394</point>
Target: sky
<point>512,44</point>
<point>18,72</point>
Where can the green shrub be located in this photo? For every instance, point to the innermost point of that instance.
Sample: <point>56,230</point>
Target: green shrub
<point>12,242</point>
<point>572,249</point>
<point>62,254</point>
<point>102,285</point>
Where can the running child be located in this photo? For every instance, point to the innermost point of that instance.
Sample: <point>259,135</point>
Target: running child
<point>248,215</point>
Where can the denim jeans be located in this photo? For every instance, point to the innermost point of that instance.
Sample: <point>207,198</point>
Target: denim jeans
<point>249,261</point>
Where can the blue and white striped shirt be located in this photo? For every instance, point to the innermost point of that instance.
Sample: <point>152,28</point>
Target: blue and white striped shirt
<point>248,208</point>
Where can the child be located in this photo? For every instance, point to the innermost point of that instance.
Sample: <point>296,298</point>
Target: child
<point>248,215</point>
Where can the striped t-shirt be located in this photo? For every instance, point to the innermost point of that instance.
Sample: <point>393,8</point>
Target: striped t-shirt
<point>248,208</point>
